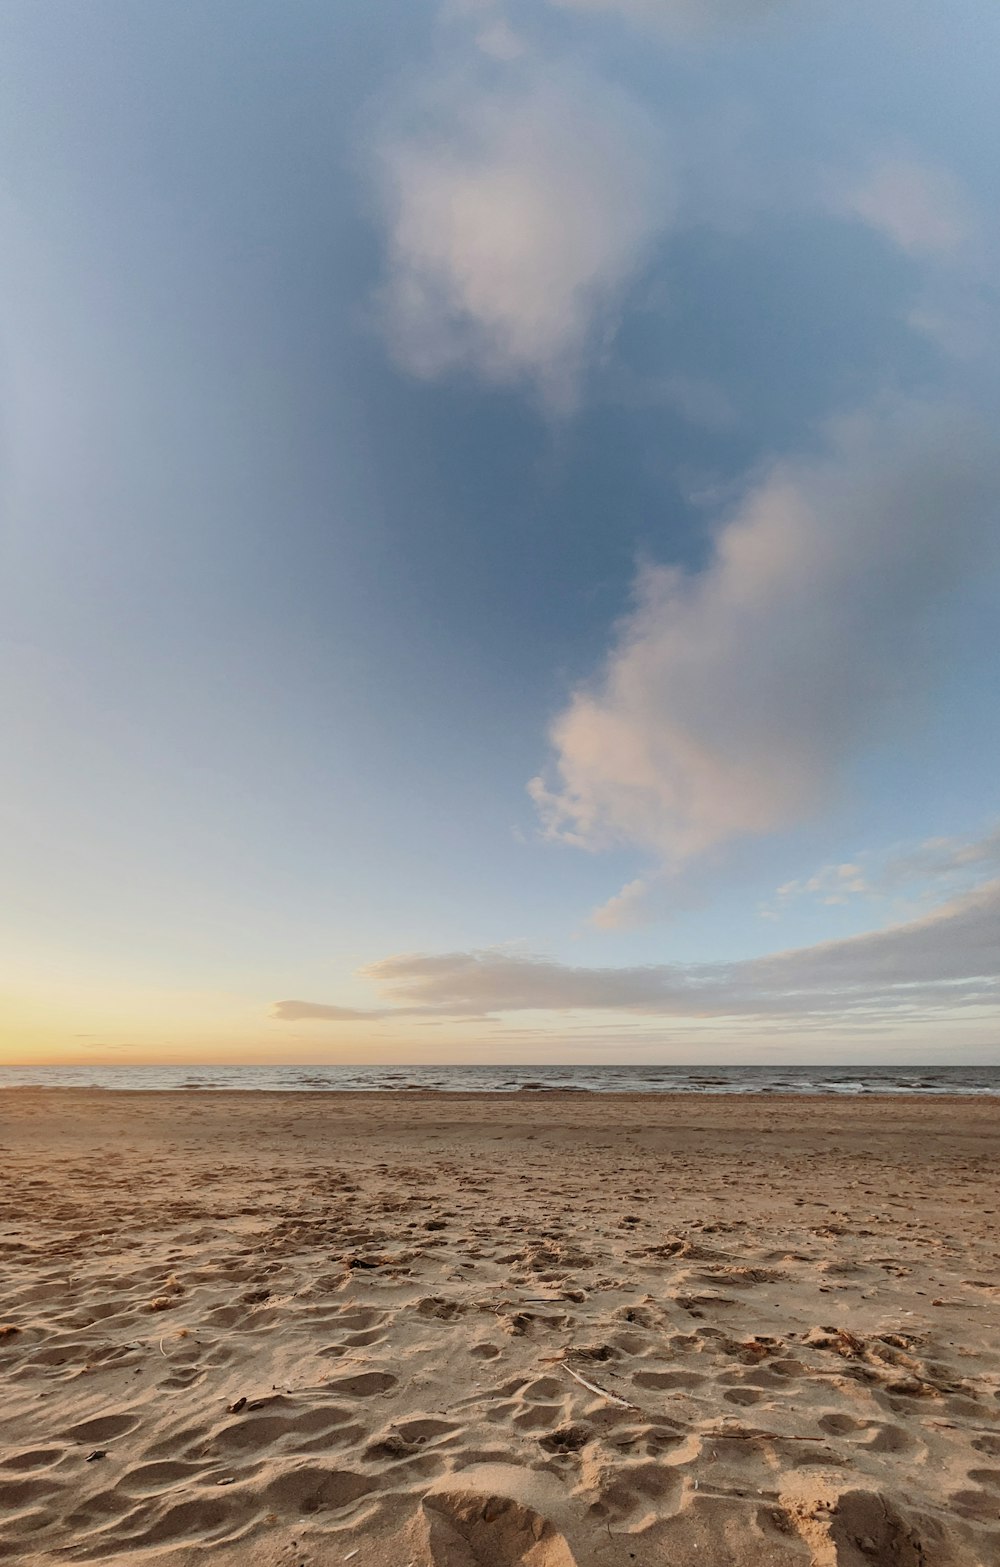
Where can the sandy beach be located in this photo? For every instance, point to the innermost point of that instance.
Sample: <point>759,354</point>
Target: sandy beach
<point>427,1330</point>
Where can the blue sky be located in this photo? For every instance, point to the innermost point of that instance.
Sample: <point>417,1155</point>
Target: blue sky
<point>513,480</point>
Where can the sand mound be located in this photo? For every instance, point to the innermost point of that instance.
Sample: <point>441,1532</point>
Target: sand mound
<point>482,1518</point>
<point>859,1528</point>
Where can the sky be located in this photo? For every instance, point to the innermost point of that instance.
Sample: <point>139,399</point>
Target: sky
<point>500,512</point>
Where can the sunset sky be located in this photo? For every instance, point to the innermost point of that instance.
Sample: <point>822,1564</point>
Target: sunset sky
<point>500,505</point>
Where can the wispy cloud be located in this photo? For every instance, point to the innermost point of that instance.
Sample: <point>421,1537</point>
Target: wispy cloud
<point>627,909</point>
<point>921,871</point>
<point>948,959</point>
<point>945,858</point>
<point>318,1012</point>
<point>733,698</point>
<point>517,215</point>
<point>922,208</point>
<point>690,16</point>
<point>831,884</point>
<point>916,205</point>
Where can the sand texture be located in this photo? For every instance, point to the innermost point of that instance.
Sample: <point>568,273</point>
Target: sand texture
<point>298,1330</point>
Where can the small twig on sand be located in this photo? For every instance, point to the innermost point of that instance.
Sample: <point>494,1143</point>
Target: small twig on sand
<point>601,1392</point>
<point>728,1432</point>
<point>951,1425</point>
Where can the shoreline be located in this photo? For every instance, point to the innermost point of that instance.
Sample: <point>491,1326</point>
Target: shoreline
<point>514,1095</point>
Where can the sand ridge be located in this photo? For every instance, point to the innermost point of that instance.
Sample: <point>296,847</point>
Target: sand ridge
<point>542,1329</point>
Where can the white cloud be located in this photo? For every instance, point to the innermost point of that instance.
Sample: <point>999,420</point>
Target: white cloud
<point>917,206</point>
<point>948,959</point>
<point>517,224</point>
<point>733,698</point>
<point>626,909</point>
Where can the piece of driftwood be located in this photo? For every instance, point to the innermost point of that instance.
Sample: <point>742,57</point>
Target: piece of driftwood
<point>601,1392</point>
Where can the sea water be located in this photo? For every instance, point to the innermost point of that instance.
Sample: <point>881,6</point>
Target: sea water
<point>617,1079</point>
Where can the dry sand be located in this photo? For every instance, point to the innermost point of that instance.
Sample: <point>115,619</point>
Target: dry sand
<point>307,1329</point>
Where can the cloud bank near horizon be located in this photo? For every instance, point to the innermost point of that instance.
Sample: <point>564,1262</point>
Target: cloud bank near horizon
<point>949,959</point>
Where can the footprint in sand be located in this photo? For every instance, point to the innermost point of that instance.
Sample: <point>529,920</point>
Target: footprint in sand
<point>259,1432</point>
<point>638,1492</point>
<point>425,1429</point>
<point>356,1317</point>
<point>34,1458</point>
<point>979,1506</point>
<point>312,1490</point>
<point>743,1396</point>
<point>20,1493</point>
<point>566,1439</point>
<point>102,1428</point>
<point>364,1338</point>
<point>182,1379</point>
<point>443,1310</point>
<point>890,1439</point>
<point>365,1384</point>
<point>198,1519</point>
<point>668,1379</point>
<point>151,1479</point>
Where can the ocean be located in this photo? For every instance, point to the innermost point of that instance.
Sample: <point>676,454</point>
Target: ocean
<point>528,1079</point>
